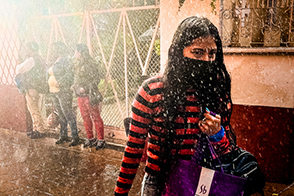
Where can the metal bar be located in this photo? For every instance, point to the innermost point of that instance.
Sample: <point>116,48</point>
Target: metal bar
<point>60,30</point>
<point>251,25</point>
<point>88,33</point>
<point>125,9</point>
<point>99,42</point>
<point>283,3</point>
<point>134,40</point>
<point>290,21</point>
<point>83,26</point>
<point>56,30</point>
<point>125,63</point>
<point>109,66</point>
<point>151,46</point>
<point>259,50</point>
<point>100,11</point>
<point>50,40</point>
<point>221,18</point>
<point>114,43</point>
<point>60,15</point>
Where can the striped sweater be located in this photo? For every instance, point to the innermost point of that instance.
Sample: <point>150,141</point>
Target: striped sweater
<point>148,121</point>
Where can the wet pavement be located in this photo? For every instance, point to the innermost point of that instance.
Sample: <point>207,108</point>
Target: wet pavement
<point>39,167</point>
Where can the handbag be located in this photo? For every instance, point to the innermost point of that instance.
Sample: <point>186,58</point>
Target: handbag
<point>78,92</point>
<point>53,120</point>
<point>188,178</point>
<point>95,96</point>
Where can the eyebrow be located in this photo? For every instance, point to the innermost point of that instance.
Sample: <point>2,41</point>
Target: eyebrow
<point>203,50</point>
<point>194,49</point>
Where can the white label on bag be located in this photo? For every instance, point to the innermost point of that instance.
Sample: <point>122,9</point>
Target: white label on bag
<point>205,180</point>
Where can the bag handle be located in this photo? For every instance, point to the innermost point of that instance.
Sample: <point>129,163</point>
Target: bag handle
<point>213,153</point>
<point>198,155</point>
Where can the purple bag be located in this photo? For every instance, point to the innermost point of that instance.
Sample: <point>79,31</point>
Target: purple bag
<point>187,178</point>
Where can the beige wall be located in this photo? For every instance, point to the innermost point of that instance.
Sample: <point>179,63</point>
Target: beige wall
<point>171,16</point>
<point>256,79</point>
<point>262,80</point>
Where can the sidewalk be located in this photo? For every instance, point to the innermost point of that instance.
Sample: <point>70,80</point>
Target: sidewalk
<point>39,167</point>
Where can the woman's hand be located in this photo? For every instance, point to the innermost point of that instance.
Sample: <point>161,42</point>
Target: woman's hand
<point>210,124</point>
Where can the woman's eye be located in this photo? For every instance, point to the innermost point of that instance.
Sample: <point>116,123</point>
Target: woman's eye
<point>198,53</point>
<point>212,54</point>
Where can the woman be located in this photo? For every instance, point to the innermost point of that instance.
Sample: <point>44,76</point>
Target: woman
<point>87,78</point>
<point>169,107</point>
<point>31,81</point>
<point>61,77</point>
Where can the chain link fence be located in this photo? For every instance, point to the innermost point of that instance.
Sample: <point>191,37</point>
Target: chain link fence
<point>118,33</point>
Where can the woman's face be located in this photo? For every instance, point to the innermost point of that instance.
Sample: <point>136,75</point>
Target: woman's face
<point>202,48</point>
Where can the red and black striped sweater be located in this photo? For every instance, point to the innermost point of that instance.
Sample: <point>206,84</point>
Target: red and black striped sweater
<point>148,120</point>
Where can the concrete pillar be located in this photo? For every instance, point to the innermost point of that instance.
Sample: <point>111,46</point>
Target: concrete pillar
<point>171,16</point>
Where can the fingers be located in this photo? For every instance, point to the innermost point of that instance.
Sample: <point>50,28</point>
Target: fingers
<point>205,128</point>
<point>210,124</point>
<point>211,117</point>
<point>212,113</point>
<point>211,121</point>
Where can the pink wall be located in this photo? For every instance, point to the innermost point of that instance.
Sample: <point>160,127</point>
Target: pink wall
<point>13,110</point>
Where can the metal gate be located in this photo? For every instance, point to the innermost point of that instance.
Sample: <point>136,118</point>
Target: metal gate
<point>122,40</point>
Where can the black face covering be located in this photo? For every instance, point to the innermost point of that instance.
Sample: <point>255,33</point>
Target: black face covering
<point>199,73</point>
<point>202,75</point>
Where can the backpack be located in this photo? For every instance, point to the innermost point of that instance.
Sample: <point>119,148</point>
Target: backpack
<point>20,83</point>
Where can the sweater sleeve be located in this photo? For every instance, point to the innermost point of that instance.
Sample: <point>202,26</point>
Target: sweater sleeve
<point>25,66</point>
<point>222,146</point>
<point>141,119</point>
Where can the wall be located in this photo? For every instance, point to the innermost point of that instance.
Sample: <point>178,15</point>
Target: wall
<point>171,16</point>
<point>262,93</point>
<point>260,79</point>
<point>13,111</point>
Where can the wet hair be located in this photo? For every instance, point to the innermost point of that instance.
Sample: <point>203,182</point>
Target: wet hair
<point>86,57</point>
<point>83,49</point>
<point>33,46</point>
<point>60,48</point>
<point>190,29</point>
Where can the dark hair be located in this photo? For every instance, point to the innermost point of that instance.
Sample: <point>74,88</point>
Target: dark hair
<point>84,50</point>
<point>188,30</point>
<point>86,57</point>
<point>60,48</point>
<point>33,46</point>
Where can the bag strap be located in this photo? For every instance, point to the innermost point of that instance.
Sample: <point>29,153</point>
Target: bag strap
<point>213,153</point>
<point>198,155</point>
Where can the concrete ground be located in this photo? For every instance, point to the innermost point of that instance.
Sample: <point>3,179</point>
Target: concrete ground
<point>39,167</point>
